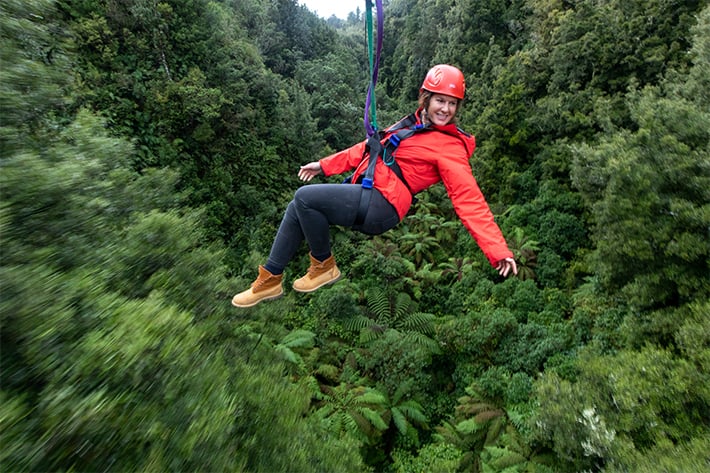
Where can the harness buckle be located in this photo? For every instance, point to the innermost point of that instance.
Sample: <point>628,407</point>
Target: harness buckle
<point>394,140</point>
<point>366,183</point>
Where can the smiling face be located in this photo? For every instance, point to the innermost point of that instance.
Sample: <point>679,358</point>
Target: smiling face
<point>441,109</point>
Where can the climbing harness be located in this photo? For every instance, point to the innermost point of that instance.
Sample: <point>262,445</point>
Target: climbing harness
<point>375,149</point>
<point>401,130</point>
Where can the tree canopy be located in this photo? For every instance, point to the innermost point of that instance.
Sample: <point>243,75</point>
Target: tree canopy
<point>148,149</point>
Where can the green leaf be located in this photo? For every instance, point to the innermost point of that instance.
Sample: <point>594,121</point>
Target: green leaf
<point>374,418</point>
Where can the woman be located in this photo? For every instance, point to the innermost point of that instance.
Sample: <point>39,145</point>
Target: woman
<point>440,152</point>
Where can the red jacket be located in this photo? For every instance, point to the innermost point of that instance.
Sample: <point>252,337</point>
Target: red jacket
<point>425,159</point>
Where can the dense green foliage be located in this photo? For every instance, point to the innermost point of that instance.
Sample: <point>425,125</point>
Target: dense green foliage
<point>148,149</point>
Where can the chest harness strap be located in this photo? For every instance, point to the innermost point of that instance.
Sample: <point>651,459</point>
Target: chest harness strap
<point>402,130</point>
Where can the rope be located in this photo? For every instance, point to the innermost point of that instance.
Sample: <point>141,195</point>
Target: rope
<point>370,119</point>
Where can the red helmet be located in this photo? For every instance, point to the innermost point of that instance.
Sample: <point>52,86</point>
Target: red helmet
<point>445,79</point>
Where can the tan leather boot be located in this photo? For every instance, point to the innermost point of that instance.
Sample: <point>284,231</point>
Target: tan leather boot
<point>319,274</point>
<point>266,287</point>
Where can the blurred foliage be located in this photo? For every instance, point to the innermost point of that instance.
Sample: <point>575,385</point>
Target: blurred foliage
<point>148,149</point>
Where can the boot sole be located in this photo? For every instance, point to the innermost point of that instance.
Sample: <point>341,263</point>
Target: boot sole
<point>270,298</point>
<point>332,281</point>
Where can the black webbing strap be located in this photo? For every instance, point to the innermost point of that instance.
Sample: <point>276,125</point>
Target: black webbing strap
<point>374,148</point>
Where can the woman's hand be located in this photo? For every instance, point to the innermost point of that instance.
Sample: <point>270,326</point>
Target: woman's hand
<point>507,265</point>
<point>309,171</point>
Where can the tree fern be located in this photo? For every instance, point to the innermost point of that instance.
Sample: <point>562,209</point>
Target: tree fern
<point>404,414</point>
<point>398,313</point>
<point>477,424</point>
<point>403,426</point>
<point>352,410</point>
<point>457,267</point>
<point>466,444</point>
<point>525,251</point>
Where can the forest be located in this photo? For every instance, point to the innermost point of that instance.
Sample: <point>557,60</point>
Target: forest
<point>148,149</point>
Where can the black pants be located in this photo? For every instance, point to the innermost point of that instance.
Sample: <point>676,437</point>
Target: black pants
<point>317,206</point>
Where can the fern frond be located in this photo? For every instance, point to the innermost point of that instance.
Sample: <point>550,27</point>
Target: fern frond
<point>358,423</point>
<point>374,418</point>
<point>288,355</point>
<point>420,322</point>
<point>446,433</point>
<point>422,341</point>
<point>402,306</point>
<point>413,436</point>
<point>402,390</point>
<point>502,459</point>
<point>312,387</point>
<point>349,424</point>
<point>329,372</point>
<point>517,418</point>
<point>413,411</point>
<point>485,416</point>
<point>473,392</point>
<point>372,397</point>
<point>468,426</point>
<point>379,303</point>
<point>357,323</point>
<point>513,441</point>
<point>369,334</point>
<point>473,407</point>
<point>328,391</point>
<point>325,412</point>
<point>495,429</point>
<point>449,434</point>
<point>400,421</point>
<point>299,338</point>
